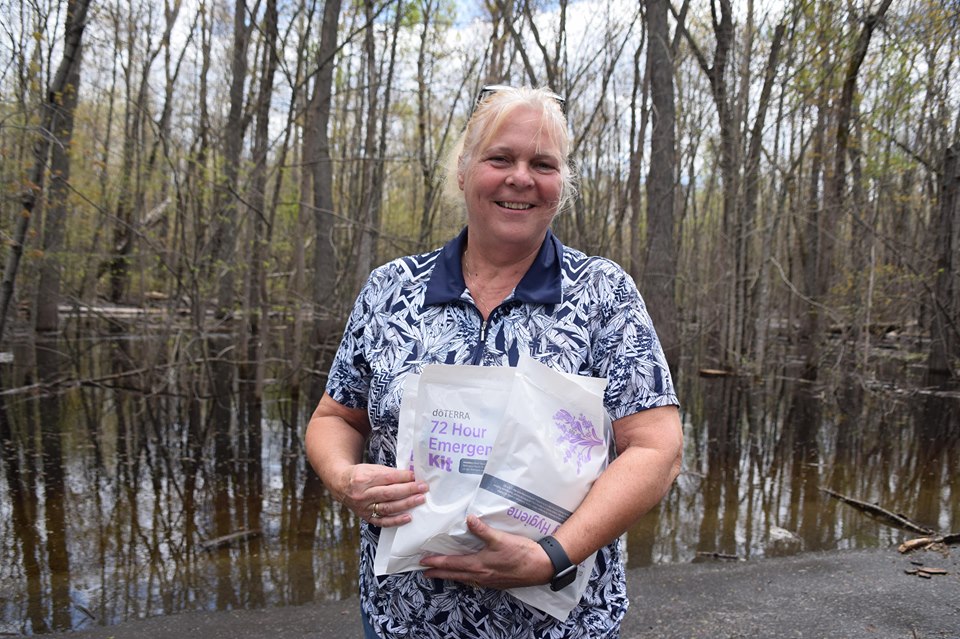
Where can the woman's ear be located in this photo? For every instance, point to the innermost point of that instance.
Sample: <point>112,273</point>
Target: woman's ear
<point>460,172</point>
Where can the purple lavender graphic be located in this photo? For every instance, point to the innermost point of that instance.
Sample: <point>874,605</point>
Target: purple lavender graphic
<point>577,435</point>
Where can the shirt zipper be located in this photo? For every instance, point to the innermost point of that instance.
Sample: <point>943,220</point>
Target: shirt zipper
<point>481,346</point>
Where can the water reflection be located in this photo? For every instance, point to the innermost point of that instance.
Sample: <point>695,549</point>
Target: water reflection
<point>150,489</point>
<point>757,463</point>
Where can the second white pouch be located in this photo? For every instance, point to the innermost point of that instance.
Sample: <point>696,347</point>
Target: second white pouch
<point>552,445</point>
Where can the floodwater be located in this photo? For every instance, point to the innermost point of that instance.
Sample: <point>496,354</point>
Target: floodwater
<point>133,488</point>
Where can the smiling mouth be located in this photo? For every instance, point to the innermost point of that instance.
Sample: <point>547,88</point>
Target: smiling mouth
<point>515,206</point>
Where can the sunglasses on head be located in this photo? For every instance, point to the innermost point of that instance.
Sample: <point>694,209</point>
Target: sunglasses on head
<point>490,89</point>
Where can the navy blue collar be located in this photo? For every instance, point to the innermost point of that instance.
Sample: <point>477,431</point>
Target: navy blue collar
<point>541,284</point>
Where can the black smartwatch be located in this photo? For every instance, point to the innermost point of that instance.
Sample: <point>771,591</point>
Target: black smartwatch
<point>564,571</point>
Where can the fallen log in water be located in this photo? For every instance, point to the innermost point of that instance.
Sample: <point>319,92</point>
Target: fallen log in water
<point>882,514</point>
<point>226,540</point>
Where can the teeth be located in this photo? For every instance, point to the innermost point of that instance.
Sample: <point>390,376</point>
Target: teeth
<point>516,206</point>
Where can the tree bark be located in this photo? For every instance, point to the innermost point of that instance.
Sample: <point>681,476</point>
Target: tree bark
<point>660,271</point>
<point>223,244</point>
<point>638,134</point>
<point>716,71</point>
<point>822,263</point>
<point>257,302</point>
<point>944,330</point>
<point>297,295</point>
<point>51,120</point>
<point>752,193</point>
<point>324,257</point>
<point>48,289</point>
<point>130,202</point>
<point>368,198</point>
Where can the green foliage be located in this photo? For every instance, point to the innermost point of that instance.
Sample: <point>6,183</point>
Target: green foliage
<point>441,12</point>
<point>896,300</point>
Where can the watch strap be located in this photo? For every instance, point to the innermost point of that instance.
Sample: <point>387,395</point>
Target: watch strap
<point>564,571</point>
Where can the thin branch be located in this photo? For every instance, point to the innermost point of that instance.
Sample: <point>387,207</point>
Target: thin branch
<point>882,514</point>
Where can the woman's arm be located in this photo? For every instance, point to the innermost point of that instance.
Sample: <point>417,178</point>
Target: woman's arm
<point>334,443</point>
<point>649,445</point>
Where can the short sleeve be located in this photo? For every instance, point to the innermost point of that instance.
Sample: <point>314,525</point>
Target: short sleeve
<point>350,372</point>
<point>627,350</point>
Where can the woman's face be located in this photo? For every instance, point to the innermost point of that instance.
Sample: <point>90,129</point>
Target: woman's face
<point>512,185</point>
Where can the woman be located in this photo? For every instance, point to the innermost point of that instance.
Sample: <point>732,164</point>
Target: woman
<point>506,285</point>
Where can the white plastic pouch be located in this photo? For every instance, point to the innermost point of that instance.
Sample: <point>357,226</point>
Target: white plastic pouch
<point>450,419</point>
<point>552,445</point>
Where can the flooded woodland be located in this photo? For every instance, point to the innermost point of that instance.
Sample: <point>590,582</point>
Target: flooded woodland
<point>193,194</point>
<point>130,490</point>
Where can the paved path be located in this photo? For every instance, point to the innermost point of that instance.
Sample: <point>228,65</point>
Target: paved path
<point>834,595</point>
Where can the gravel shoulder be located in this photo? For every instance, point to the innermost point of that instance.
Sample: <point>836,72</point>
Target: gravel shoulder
<point>863,594</point>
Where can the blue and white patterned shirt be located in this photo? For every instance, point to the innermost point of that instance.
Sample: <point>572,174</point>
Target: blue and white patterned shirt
<point>575,313</point>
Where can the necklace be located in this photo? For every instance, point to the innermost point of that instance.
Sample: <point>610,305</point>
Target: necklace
<point>486,296</point>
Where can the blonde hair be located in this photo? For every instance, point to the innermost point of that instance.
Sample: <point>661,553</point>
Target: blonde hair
<point>488,116</point>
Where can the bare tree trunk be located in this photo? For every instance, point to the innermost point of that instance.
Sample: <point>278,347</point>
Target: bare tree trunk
<point>223,243</point>
<point>257,201</point>
<point>716,71</point>
<point>424,128</point>
<point>51,120</point>
<point>48,289</point>
<point>761,294</point>
<point>117,266</point>
<point>811,242</point>
<point>752,186</point>
<point>197,178</point>
<point>374,201</point>
<point>551,60</point>
<point>92,266</point>
<point>318,117</point>
<point>130,201</point>
<point>426,152</point>
<point>743,230</point>
<point>835,190</point>
<point>161,146</point>
<point>861,253</point>
<point>296,293</point>
<point>638,134</point>
<point>368,197</point>
<point>497,58</point>
<point>298,298</point>
<point>729,165</point>
<point>222,350</point>
<point>660,270</point>
<point>944,331</point>
<point>507,9</point>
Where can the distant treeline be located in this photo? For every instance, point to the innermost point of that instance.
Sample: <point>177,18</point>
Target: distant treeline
<point>771,173</point>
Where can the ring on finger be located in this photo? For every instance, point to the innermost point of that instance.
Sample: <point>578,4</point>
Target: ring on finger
<point>376,510</point>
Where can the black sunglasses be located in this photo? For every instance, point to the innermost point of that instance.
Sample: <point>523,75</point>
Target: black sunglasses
<point>490,89</point>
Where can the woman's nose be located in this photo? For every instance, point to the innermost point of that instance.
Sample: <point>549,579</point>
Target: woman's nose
<point>520,176</point>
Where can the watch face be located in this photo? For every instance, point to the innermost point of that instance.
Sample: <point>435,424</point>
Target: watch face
<point>563,578</point>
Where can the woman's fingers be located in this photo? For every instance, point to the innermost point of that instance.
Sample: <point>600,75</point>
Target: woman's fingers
<point>393,513</point>
<point>383,495</point>
<point>504,562</point>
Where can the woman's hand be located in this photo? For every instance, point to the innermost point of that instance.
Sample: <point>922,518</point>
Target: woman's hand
<point>334,443</point>
<point>379,494</point>
<point>506,561</point>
